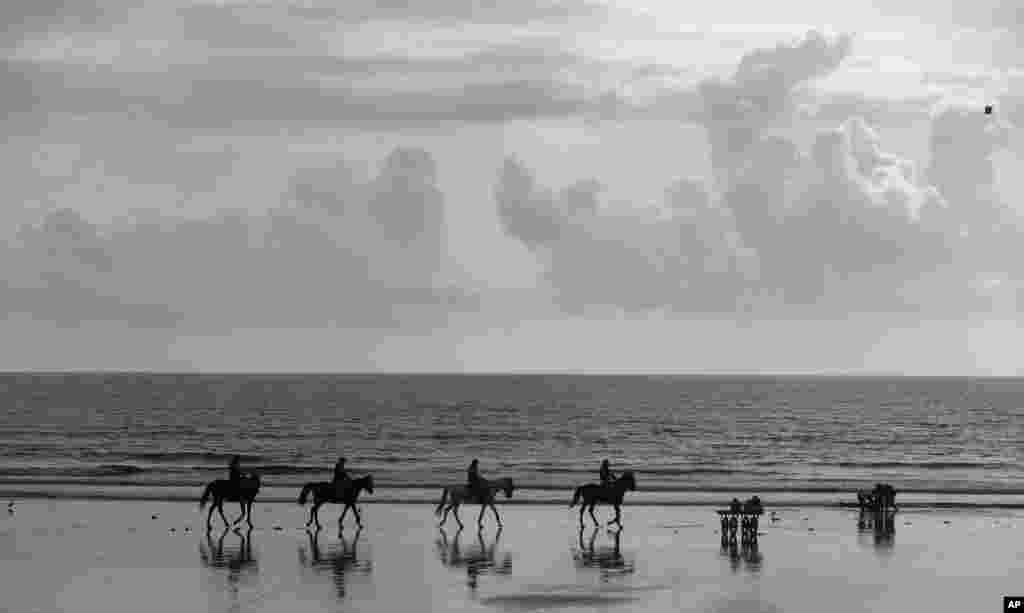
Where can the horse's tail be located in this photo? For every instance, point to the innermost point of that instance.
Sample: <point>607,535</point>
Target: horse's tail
<point>206,496</point>
<point>440,505</point>
<point>304,494</point>
<point>576,496</point>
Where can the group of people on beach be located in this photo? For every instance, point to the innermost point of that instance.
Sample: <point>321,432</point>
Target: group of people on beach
<point>473,480</point>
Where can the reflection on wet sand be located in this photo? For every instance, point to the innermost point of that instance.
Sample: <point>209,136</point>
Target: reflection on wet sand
<point>238,560</point>
<point>881,525</point>
<point>747,556</point>
<point>476,559</point>
<point>340,559</point>
<point>608,560</point>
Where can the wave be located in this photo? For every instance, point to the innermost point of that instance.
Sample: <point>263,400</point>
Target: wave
<point>922,465</point>
<point>103,470</point>
<point>213,457</point>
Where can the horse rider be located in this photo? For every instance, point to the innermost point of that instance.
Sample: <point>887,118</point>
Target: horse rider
<point>340,474</point>
<point>607,477</point>
<point>473,479</point>
<point>235,470</point>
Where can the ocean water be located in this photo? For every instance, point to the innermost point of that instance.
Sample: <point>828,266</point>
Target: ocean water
<point>681,434</point>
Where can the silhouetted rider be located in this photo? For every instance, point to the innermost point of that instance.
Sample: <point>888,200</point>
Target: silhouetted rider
<point>340,474</point>
<point>235,470</point>
<point>473,479</point>
<point>607,476</point>
<point>341,478</point>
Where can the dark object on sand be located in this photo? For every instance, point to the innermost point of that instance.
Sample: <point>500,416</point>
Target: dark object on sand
<point>881,498</point>
<point>988,110</point>
<point>243,492</point>
<point>338,492</point>
<point>592,493</point>
<point>744,517</point>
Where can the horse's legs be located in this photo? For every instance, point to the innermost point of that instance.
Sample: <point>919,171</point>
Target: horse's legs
<point>316,513</point>
<point>311,509</point>
<point>220,509</point>
<point>359,519</point>
<point>496,517</point>
<point>248,513</point>
<point>455,512</point>
<point>480,518</point>
<point>618,517</point>
<point>582,510</point>
<point>592,516</point>
<point>241,516</point>
<point>208,516</point>
<point>343,513</point>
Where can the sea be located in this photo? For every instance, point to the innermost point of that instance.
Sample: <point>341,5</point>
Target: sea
<point>688,439</point>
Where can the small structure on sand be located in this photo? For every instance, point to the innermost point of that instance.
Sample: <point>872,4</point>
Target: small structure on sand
<point>741,516</point>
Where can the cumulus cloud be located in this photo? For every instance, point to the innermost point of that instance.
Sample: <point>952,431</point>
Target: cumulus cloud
<point>680,254</point>
<point>340,248</point>
<point>834,223</point>
<point>760,95</point>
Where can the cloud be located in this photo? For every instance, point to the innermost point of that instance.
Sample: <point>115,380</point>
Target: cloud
<point>340,248</point>
<point>206,66</point>
<point>761,94</point>
<point>682,254</point>
<point>444,11</point>
<point>790,225</point>
<point>60,270</point>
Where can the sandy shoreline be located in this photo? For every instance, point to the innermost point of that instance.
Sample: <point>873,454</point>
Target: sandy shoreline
<point>88,555</point>
<point>523,496</point>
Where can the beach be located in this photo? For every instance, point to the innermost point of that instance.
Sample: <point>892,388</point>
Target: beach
<point>133,555</point>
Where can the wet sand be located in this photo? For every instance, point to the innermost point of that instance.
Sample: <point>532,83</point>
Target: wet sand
<point>100,556</point>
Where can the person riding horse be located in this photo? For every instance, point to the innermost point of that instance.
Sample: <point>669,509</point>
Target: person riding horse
<point>341,477</point>
<point>235,470</point>
<point>607,476</point>
<point>474,481</point>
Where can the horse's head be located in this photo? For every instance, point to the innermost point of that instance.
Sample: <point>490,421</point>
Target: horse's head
<point>368,484</point>
<point>508,488</point>
<point>627,479</point>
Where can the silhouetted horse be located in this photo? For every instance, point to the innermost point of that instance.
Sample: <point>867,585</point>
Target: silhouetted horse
<point>612,494</point>
<point>244,493</point>
<point>346,494</point>
<point>454,496</point>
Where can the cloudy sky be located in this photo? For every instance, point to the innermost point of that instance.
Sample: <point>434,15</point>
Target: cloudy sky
<point>485,186</point>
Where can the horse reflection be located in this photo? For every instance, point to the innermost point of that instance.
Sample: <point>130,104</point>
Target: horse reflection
<point>239,562</point>
<point>747,555</point>
<point>477,560</point>
<point>236,560</point>
<point>341,560</point>
<point>608,560</point>
<point>882,525</point>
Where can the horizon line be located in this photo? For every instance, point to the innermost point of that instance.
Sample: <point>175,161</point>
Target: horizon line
<point>513,373</point>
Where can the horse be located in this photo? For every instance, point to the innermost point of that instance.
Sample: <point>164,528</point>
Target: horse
<point>454,496</point>
<point>326,491</point>
<point>612,494</point>
<point>244,493</point>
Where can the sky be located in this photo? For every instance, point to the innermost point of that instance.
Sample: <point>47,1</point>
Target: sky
<point>481,186</point>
